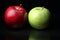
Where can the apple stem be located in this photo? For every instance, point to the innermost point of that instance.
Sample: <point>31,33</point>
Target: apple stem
<point>20,4</point>
<point>42,7</point>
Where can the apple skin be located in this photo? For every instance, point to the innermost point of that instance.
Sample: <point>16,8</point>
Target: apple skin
<point>38,17</point>
<point>15,16</point>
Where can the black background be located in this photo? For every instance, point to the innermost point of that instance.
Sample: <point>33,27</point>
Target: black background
<point>53,28</point>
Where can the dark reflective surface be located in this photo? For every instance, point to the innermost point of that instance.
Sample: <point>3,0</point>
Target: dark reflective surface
<point>50,33</point>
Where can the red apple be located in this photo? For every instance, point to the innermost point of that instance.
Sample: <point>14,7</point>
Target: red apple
<point>15,16</point>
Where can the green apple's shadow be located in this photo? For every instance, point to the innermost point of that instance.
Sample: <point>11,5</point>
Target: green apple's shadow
<point>39,35</point>
<point>43,35</point>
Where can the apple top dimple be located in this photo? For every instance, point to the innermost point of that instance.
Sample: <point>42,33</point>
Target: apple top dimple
<point>38,8</point>
<point>18,8</point>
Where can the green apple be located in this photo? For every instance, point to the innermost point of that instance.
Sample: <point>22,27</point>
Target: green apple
<point>38,17</point>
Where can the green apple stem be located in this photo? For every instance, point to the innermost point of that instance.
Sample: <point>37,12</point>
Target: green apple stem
<point>42,7</point>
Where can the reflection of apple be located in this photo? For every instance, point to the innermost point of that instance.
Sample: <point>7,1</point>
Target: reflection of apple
<point>38,17</point>
<point>8,38</point>
<point>16,35</point>
<point>15,16</point>
<point>39,35</point>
